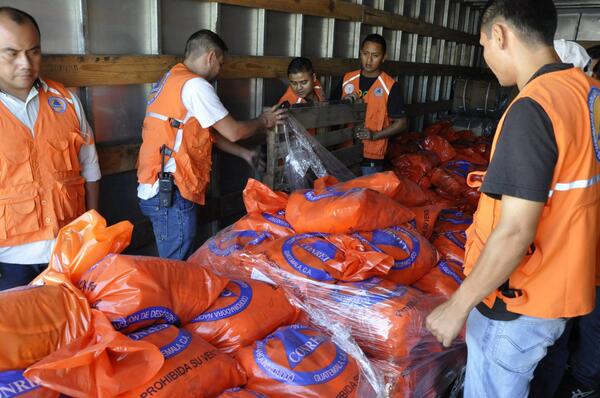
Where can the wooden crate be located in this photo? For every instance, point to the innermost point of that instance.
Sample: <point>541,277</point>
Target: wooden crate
<point>331,121</point>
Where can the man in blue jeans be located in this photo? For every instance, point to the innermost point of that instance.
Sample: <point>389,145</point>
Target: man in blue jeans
<point>531,252</point>
<point>184,117</point>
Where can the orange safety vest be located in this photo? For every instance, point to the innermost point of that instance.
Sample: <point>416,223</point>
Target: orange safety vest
<point>557,279</point>
<point>377,117</point>
<point>165,116</point>
<point>293,98</point>
<point>41,188</point>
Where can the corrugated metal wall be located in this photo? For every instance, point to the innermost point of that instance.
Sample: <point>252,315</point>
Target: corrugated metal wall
<point>162,27</point>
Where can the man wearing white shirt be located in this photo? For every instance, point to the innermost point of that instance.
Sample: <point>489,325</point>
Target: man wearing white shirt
<point>48,162</point>
<point>184,118</point>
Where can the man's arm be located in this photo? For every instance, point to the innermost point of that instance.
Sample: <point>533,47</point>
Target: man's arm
<point>231,147</point>
<point>92,195</point>
<point>397,127</point>
<point>502,253</point>
<point>235,130</point>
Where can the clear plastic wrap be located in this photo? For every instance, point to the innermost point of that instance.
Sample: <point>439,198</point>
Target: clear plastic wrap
<point>306,159</point>
<point>430,374</point>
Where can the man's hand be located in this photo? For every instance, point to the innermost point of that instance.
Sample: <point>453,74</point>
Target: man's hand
<point>353,98</point>
<point>365,134</point>
<point>272,117</point>
<point>255,159</point>
<point>446,321</point>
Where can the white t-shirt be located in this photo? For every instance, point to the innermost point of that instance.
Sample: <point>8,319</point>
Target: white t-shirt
<point>27,112</point>
<point>202,102</point>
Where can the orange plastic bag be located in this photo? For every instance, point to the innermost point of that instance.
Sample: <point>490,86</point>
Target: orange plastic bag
<point>241,393</point>
<point>14,384</point>
<point>246,311</point>
<point>136,291</point>
<point>35,321</point>
<point>386,319</point>
<point>274,225</point>
<point>385,182</point>
<point>297,361</point>
<point>425,219</point>
<point>410,193</point>
<point>413,255</point>
<point>416,166</point>
<point>440,146</point>
<point>447,182</point>
<point>335,210</point>
<point>327,258</point>
<point>192,367</point>
<point>102,364</point>
<point>222,252</point>
<point>451,245</point>
<point>260,198</point>
<point>450,220</point>
<point>85,241</point>
<point>443,280</point>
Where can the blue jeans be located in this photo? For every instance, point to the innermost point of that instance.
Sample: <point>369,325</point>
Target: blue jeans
<point>368,170</point>
<point>13,275</point>
<point>502,355</point>
<point>174,227</point>
<point>584,333</point>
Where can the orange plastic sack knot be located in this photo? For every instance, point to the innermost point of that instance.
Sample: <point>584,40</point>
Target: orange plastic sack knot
<point>85,241</point>
<point>413,255</point>
<point>297,361</point>
<point>327,258</point>
<point>245,311</point>
<point>335,210</point>
<point>260,198</point>
<point>192,368</point>
<point>35,321</point>
<point>135,291</point>
<point>102,364</point>
<point>443,280</point>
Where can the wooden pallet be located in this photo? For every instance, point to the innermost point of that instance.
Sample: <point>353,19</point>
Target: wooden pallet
<point>331,121</point>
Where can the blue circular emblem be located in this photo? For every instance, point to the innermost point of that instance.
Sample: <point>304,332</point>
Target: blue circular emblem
<point>322,250</point>
<point>240,304</point>
<point>390,237</point>
<point>378,92</point>
<point>58,105</point>
<point>298,345</point>
<point>594,106</point>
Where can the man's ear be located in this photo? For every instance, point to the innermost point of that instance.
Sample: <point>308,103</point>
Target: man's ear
<point>500,35</point>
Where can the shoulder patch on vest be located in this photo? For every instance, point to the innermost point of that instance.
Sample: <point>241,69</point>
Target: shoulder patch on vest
<point>594,105</point>
<point>349,88</point>
<point>378,92</point>
<point>58,105</point>
<point>157,88</point>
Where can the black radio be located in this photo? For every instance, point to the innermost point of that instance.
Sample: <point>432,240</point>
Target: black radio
<point>166,185</point>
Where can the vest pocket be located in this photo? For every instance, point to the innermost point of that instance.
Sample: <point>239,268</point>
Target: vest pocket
<point>532,261</point>
<point>15,170</point>
<point>63,152</point>
<point>69,200</point>
<point>20,217</point>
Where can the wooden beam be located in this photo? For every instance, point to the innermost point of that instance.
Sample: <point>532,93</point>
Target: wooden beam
<point>390,20</point>
<point>94,70</point>
<point>321,8</point>
<point>428,107</point>
<point>335,137</point>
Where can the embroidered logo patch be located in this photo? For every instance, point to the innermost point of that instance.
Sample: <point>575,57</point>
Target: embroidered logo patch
<point>378,92</point>
<point>349,88</point>
<point>57,104</point>
<point>594,105</point>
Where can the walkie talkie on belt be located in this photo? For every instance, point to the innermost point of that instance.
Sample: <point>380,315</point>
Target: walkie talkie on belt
<point>166,185</point>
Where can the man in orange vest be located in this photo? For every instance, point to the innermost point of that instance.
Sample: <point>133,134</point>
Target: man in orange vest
<point>385,109</point>
<point>48,163</point>
<point>532,251</point>
<point>304,85</point>
<point>184,117</point>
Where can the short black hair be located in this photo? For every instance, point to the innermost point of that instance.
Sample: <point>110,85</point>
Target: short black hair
<point>534,19</point>
<point>375,38</point>
<point>203,41</point>
<point>299,65</point>
<point>20,17</point>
